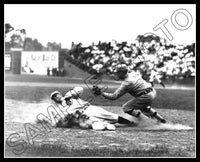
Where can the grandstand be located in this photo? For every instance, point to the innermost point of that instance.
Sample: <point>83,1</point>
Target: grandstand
<point>173,62</point>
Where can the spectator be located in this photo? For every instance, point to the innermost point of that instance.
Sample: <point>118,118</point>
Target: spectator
<point>48,71</point>
<point>172,61</point>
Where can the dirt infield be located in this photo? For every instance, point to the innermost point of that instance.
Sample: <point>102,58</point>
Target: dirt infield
<point>25,100</point>
<point>132,141</point>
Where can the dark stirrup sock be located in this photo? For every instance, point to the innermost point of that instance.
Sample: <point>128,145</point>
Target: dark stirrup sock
<point>122,120</point>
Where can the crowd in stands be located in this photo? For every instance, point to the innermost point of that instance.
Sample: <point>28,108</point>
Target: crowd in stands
<point>176,61</point>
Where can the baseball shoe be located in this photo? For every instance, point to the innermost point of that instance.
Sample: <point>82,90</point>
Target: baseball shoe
<point>163,121</point>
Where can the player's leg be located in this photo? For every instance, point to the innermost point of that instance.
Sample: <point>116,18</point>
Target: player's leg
<point>146,102</point>
<point>141,103</point>
<point>102,114</point>
<point>150,112</point>
<point>105,115</point>
<point>130,108</point>
<point>134,106</point>
<point>122,120</point>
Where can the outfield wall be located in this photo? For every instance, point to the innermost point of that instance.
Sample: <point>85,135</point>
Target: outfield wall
<point>37,62</point>
<point>32,62</point>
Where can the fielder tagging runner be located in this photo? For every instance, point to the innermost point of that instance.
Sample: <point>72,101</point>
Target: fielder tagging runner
<point>143,94</point>
<point>82,114</point>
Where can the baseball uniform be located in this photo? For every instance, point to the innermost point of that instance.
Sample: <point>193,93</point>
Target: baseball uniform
<point>135,86</point>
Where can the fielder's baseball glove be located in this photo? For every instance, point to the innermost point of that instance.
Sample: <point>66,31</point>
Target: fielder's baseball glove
<point>96,90</point>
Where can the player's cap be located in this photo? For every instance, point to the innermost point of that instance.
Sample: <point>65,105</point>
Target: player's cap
<point>53,94</point>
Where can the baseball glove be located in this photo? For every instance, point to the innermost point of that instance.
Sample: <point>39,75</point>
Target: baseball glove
<point>96,90</point>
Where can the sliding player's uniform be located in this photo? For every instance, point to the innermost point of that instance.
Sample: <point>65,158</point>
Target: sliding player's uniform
<point>99,118</point>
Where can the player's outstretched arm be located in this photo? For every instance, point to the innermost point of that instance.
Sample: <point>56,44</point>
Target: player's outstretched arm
<point>117,94</point>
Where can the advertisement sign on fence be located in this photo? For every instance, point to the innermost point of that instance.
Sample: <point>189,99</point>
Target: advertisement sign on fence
<point>34,62</point>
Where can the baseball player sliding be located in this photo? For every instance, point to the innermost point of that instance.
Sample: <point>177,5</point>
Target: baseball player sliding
<point>143,94</point>
<point>82,114</point>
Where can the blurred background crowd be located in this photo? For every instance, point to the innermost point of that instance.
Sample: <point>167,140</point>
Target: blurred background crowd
<point>143,55</point>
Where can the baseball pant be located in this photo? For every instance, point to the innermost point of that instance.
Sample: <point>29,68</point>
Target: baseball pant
<point>140,103</point>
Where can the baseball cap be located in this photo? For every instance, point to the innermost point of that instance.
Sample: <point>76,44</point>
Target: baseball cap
<point>54,93</point>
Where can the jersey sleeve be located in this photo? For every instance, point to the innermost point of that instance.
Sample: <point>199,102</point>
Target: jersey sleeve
<point>118,93</point>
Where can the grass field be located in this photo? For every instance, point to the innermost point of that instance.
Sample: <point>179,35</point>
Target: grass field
<point>23,103</point>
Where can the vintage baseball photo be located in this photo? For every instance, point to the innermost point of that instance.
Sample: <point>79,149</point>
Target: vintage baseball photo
<point>99,80</point>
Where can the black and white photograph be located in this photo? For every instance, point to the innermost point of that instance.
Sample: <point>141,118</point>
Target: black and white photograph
<point>99,80</point>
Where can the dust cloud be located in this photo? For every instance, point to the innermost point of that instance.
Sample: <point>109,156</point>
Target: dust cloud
<point>23,112</point>
<point>150,124</point>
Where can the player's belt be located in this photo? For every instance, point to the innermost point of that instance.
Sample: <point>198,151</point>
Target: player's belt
<point>144,92</point>
<point>86,106</point>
